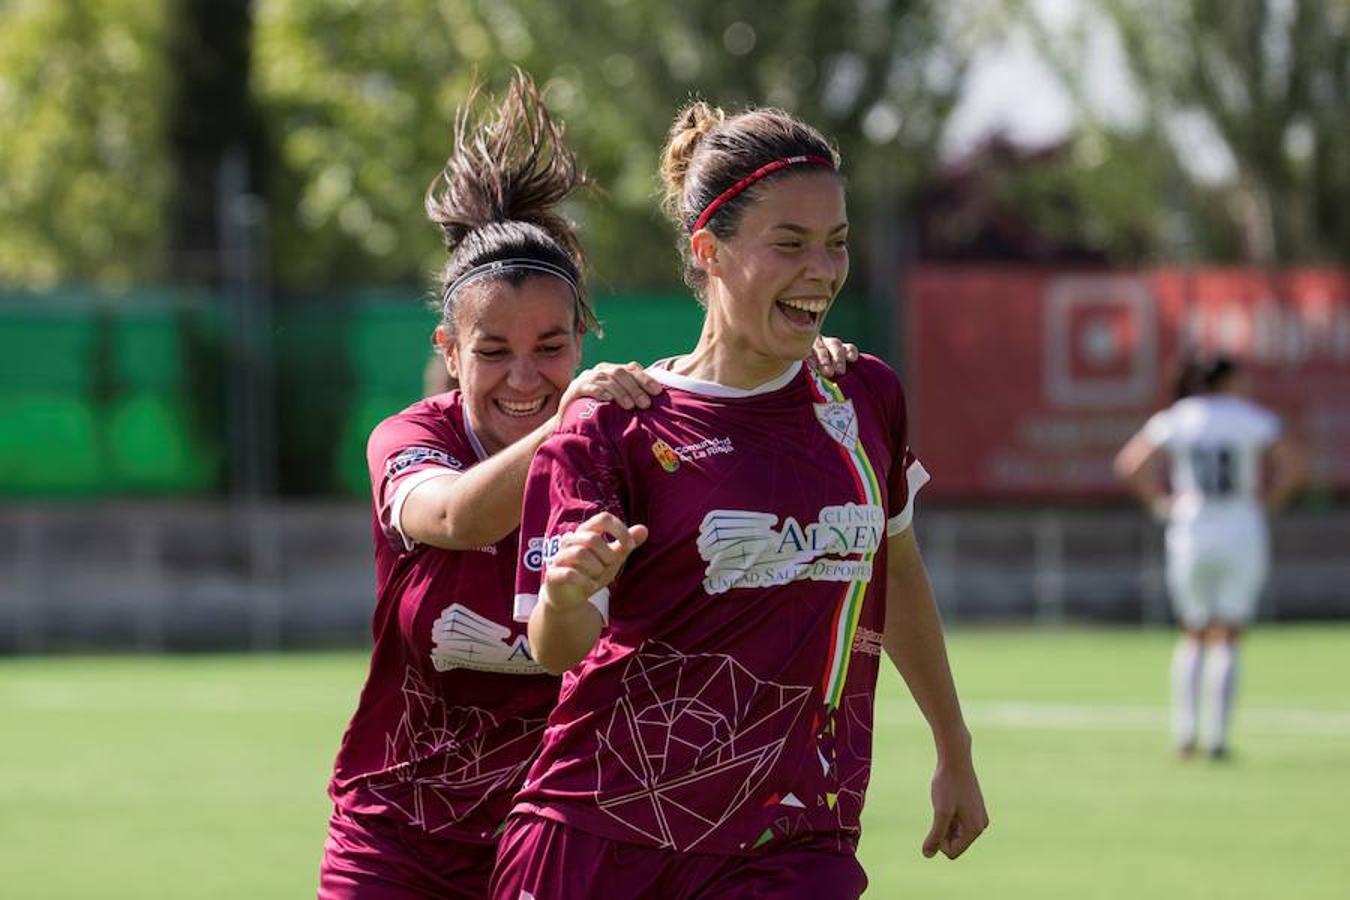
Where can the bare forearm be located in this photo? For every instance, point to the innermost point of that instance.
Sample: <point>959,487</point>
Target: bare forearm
<point>915,644</point>
<point>560,637</point>
<point>482,506</point>
<point>1289,473</point>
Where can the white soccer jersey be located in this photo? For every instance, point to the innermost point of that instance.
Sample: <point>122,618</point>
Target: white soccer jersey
<point>1215,444</point>
<point>1217,546</point>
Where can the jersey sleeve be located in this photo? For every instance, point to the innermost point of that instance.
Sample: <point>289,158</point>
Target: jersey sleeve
<point>575,474</point>
<point>907,474</point>
<point>402,453</point>
<point>1271,428</point>
<point>1158,429</point>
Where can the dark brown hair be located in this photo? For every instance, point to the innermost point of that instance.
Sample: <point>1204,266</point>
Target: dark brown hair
<point>708,151</point>
<point>497,197</point>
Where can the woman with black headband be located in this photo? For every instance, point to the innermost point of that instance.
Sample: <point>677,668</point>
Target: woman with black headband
<point>454,705</point>
<point>720,572</point>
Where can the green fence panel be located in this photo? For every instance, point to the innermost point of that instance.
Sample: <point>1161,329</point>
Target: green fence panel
<point>147,351</point>
<point>49,445</point>
<point>389,338</point>
<point>47,349</point>
<point>151,448</point>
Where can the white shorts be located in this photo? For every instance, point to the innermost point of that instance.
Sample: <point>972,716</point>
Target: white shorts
<point>1217,577</point>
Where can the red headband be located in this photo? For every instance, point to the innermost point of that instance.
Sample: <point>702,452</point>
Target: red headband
<point>766,169</point>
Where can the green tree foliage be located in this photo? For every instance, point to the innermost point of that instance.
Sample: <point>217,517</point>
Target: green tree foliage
<point>1265,83</point>
<point>82,151</point>
<point>358,98</point>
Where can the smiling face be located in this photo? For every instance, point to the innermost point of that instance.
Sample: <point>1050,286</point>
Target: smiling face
<point>515,351</point>
<point>771,283</point>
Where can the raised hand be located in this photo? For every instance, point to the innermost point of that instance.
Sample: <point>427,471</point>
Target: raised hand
<point>588,559</point>
<point>831,355</point>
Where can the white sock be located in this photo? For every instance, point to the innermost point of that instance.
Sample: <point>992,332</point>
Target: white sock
<point>1186,666</point>
<point>1221,670</point>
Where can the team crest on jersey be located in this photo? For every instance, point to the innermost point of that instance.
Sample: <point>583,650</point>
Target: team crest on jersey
<point>839,421</point>
<point>463,639</point>
<point>665,455</point>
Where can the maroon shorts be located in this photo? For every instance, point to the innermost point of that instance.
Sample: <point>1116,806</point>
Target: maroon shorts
<point>371,858</point>
<point>539,859</point>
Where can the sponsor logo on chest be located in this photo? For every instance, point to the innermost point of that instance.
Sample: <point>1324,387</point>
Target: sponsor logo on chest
<point>745,549</point>
<point>464,639</point>
<point>670,457</point>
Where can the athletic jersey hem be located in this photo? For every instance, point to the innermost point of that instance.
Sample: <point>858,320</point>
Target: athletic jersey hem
<point>826,841</point>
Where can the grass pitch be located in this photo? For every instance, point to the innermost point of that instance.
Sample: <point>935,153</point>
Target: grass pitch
<point>141,777</point>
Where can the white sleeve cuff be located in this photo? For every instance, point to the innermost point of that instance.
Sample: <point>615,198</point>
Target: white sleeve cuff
<point>916,476</point>
<point>525,604</point>
<point>405,487</point>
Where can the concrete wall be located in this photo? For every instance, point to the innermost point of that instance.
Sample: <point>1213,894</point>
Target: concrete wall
<point>122,576</point>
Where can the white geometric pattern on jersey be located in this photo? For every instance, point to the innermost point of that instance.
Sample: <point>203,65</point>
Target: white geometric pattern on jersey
<point>703,734</point>
<point>461,638</point>
<point>444,769</point>
<point>743,549</point>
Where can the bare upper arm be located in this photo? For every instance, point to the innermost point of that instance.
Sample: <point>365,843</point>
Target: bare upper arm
<point>421,507</point>
<point>1137,455</point>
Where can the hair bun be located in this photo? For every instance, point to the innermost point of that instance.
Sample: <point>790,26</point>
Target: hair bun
<point>691,125</point>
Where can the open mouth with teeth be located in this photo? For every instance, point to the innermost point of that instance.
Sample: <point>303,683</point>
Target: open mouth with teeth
<point>802,313</point>
<point>520,408</point>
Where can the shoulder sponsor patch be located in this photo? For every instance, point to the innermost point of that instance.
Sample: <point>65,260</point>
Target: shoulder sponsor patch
<point>415,456</point>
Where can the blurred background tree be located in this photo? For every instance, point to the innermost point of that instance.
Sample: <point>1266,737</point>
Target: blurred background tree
<point>359,97</point>
<point>84,182</point>
<point>1240,146</point>
<point>121,115</point>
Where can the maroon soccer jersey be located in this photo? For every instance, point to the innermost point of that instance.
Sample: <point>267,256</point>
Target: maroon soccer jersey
<point>728,702</point>
<point>453,707</point>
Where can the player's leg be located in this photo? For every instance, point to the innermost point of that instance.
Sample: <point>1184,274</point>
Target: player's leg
<point>366,858</point>
<point>1239,590</point>
<point>1186,588</point>
<point>1220,686</point>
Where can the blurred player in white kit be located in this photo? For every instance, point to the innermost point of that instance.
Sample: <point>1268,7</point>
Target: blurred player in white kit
<point>1230,465</point>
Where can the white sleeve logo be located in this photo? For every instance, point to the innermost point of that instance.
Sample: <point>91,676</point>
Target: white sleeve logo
<point>463,639</point>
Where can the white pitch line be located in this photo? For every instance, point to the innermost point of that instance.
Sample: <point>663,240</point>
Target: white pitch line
<point>1013,714</point>
<point>1120,717</point>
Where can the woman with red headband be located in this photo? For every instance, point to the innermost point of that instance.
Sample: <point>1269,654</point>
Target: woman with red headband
<point>719,574</point>
<point>454,705</point>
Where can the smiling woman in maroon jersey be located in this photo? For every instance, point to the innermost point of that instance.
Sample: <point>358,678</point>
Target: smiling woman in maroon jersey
<point>454,705</point>
<point>719,573</point>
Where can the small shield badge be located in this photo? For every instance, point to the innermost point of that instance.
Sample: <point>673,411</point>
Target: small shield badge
<point>839,422</point>
<point>665,455</point>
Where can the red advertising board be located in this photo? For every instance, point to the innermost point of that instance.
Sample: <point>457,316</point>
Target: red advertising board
<point>1023,383</point>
